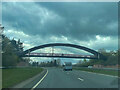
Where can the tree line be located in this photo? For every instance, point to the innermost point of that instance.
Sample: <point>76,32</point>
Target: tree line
<point>10,48</point>
<point>112,59</point>
<point>53,63</point>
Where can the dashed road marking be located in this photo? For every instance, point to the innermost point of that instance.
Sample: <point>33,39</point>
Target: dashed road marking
<point>81,79</point>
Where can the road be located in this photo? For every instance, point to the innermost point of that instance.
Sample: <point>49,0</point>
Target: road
<point>57,78</point>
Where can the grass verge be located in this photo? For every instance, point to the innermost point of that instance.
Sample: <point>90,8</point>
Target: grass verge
<point>14,76</point>
<point>108,72</point>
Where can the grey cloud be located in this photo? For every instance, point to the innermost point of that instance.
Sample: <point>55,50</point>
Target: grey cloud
<point>98,15</point>
<point>76,21</point>
<point>80,21</point>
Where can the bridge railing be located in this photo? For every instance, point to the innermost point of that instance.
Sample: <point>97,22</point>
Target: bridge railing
<point>58,54</point>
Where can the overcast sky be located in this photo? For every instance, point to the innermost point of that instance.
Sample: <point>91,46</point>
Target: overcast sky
<point>93,25</point>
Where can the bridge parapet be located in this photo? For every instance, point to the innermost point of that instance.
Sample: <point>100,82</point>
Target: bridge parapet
<point>59,55</point>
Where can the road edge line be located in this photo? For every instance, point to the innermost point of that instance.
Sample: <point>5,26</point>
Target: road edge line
<point>39,81</point>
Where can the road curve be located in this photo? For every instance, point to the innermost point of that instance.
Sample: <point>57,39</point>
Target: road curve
<point>57,78</point>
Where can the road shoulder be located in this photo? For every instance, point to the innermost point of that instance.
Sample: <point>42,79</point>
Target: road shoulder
<point>29,83</point>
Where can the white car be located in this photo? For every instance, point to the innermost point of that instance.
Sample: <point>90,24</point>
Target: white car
<point>90,66</point>
<point>67,66</point>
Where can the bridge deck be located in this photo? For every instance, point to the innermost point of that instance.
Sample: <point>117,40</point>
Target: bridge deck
<point>59,55</point>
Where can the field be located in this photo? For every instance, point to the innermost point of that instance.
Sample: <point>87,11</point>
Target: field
<point>14,76</point>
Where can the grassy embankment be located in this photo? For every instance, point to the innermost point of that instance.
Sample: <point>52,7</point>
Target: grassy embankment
<point>16,75</point>
<point>108,72</point>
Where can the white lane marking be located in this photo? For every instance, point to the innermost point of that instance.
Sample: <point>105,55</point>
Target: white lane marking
<point>40,81</point>
<point>81,79</point>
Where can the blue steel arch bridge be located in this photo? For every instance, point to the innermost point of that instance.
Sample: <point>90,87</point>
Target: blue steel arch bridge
<point>28,53</point>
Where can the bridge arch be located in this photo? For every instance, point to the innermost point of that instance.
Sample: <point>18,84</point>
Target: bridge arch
<point>97,54</point>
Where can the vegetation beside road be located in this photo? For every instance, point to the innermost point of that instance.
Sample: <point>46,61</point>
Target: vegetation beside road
<point>111,59</point>
<point>108,72</point>
<point>14,76</point>
<point>10,50</point>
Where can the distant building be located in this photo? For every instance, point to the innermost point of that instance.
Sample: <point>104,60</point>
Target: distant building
<point>97,66</point>
<point>107,66</point>
<point>112,66</point>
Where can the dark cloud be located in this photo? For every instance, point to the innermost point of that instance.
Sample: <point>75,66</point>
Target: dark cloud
<point>81,21</point>
<point>76,23</point>
<point>86,18</point>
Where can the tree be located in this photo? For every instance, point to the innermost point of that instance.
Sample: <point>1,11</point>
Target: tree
<point>84,61</point>
<point>55,63</point>
<point>9,55</point>
<point>80,62</point>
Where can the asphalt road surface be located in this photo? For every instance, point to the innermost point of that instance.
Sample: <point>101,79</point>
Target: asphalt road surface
<point>57,78</point>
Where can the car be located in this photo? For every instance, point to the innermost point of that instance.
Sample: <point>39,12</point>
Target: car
<point>67,66</point>
<point>90,66</point>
